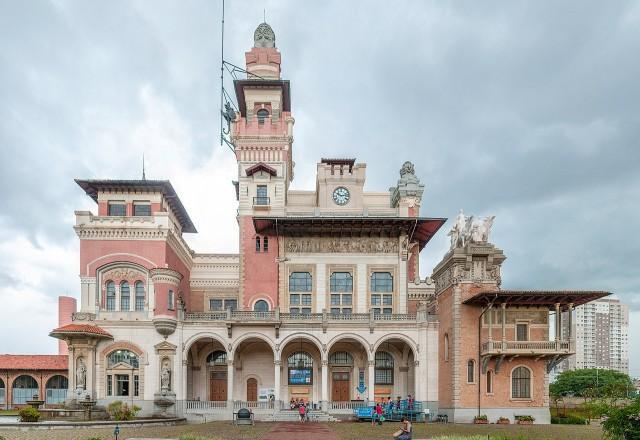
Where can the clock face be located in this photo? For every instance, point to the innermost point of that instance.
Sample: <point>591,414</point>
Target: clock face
<point>341,195</point>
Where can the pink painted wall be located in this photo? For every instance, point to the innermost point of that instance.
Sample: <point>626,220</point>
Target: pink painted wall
<point>66,307</point>
<point>149,254</point>
<point>260,268</point>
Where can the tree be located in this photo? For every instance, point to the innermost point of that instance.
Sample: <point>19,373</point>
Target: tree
<point>623,423</point>
<point>592,383</point>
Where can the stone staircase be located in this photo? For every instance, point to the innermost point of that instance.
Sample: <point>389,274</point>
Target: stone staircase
<point>293,416</point>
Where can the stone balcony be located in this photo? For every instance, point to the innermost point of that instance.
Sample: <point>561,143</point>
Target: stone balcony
<point>553,351</point>
<point>277,319</point>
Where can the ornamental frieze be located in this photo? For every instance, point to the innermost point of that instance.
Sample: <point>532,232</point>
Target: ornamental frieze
<point>124,273</point>
<point>343,245</point>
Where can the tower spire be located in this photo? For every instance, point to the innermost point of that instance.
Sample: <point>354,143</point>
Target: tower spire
<point>143,174</point>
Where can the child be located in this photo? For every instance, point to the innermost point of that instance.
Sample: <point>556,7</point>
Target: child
<point>302,411</point>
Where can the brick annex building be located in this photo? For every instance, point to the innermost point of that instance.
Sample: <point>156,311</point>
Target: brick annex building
<point>324,301</point>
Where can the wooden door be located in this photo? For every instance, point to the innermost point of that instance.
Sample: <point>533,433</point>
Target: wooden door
<point>340,387</point>
<point>252,390</point>
<point>218,386</point>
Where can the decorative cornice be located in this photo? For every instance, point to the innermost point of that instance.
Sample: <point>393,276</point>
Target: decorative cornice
<point>94,233</point>
<point>214,283</point>
<point>163,275</point>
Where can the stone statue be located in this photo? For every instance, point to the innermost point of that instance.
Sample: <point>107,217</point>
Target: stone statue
<point>407,168</point>
<point>229,115</point>
<point>165,378</point>
<point>470,230</point>
<point>81,375</point>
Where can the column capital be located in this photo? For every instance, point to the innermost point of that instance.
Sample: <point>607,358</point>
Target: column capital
<point>277,363</point>
<point>371,363</point>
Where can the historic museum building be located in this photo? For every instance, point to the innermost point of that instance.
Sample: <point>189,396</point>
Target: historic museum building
<point>323,302</point>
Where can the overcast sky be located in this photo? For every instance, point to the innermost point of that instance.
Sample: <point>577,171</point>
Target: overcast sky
<point>526,110</point>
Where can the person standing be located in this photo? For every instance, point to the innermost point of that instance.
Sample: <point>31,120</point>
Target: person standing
<point>302,411</point>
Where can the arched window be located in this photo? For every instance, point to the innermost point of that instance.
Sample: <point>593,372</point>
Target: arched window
<point>300,287</point>
<point>383,368</point>
<point>381,288</point>
<point>3,391</point>
<point>521,383</point>
<point>489,382</point>
<point>265,244</point>
<point>257,244</point>
<point>24,388</point>
<point>124,296</point>
<point>111,296</point>
<point>56,389</point>
<point>471,371</point>
<point>123,376</point>
<point>263,114</point>
<point>446,347</point>
<point>217,358</point>
<point>341,358</point>
<point>300,366</point>
<point>139,296</point>
<point>261,306</point>
<point>170,300</point>
<point>341,286</point>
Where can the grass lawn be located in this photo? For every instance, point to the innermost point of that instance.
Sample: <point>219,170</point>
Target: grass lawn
<point>213,431</point>
<point>361,431</point>
<point>8,412</point>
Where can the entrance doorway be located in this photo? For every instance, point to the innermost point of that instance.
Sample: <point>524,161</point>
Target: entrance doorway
<point>218,386</point>
<point>252,390</point>
<point>340,387</point>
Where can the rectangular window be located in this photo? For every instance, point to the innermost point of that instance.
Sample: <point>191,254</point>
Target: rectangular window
<point>262,197</point>
<point>230,304</point>
<point>383,376</point>
<point>170,300</point>
<point>265,244</point>
<point>141,209</point>
<point>117,209</point>
<point>136,385</point>
<point>522,332</point>
<point>109,385</point>
<point>215,304</point>
<point>341,288</point>
<point>122,384</point>
<point>257,244</point>
<point>381,291</point>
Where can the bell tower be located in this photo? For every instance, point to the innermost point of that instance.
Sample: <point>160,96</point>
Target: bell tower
<point>262,134</point>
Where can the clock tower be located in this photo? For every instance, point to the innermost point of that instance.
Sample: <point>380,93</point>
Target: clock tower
<point>262,135</point>
<point>340,185</point>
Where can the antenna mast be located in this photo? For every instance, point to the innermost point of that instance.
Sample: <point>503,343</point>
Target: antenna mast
<point>222,78</point>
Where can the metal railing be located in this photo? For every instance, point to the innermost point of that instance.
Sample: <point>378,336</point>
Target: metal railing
<point>261,201</point>
<point>527,346</point>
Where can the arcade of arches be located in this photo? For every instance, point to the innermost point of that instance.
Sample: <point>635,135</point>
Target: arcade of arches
<point>257,370</point>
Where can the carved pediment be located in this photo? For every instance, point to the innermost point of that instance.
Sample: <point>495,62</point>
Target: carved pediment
<point>165,347</point>
<point>124,273</point>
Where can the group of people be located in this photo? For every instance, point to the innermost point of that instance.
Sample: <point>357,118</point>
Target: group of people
<point>302,408</point>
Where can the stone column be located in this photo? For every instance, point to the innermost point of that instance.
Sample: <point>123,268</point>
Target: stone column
<point>570,323</point>
<point>371,395</point>
<point>277,376</point>
<point>558,325</point>
<point>490,311</point>
<point>504,320</point>
<point>230,369</point>
<point>325,385</point>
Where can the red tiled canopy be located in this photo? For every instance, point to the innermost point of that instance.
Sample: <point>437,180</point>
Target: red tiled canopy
<point>34,362</point>
<point>79,329</point>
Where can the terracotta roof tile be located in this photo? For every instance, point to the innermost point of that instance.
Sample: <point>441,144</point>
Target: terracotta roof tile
<point>82,328</point>
<point>34,362</point>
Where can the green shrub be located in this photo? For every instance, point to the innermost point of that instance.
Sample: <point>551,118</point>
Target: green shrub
<point>29,414</point>
<point>95,438</point>
<point>623,423</point>
<point>481,417</point>
<point>121,411</point>
<point>569,420</point>
<point>525,418</point>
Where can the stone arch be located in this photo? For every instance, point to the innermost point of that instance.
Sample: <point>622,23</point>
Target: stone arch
<point>365,344</point>
<point>400,336</point>
<point>306,336</point>
<point>188,344</point>
<point>112,260</point>
<point>531,382</point>
<point>262,297</point>
<point>125,345</point>
<point>250,335</point>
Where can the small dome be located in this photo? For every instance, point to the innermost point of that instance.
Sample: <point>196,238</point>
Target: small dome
<point>264,36</point>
